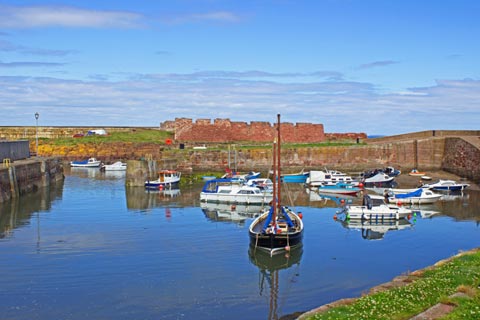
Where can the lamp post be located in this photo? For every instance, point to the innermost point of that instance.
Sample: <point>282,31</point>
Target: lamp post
<point>36,132</point>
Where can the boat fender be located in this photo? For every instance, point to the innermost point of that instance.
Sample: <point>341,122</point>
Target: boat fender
<point>300,215</point>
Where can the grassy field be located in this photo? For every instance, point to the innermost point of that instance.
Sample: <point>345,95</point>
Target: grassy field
<point>162,137</point>
<point>136,136</point>
<point>424,289</point>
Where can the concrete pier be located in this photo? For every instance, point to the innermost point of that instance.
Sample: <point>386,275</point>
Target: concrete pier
<point>24,176</point>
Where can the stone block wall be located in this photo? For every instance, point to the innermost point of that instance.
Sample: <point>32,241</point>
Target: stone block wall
<point>462,158</point>
<point>27,176</point>
<point>224,130</point>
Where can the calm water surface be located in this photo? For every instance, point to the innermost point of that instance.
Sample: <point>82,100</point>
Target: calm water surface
<point>90,248</point>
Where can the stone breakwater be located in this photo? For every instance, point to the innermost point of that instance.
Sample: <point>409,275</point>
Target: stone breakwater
<point>459,155</point>
<point>27,176</point>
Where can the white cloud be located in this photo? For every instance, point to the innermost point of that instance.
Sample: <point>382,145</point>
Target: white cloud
<point>214,16</point>
<point>148,100</point>
<point>63,16</point>
<point>376,64</point>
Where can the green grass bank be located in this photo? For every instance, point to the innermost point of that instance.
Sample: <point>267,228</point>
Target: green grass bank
<point>453,283</point>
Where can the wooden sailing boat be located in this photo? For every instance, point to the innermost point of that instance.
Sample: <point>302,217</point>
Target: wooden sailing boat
<point>278,228</point>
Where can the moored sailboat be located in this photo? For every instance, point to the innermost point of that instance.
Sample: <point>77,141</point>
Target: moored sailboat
<point>278,228</point>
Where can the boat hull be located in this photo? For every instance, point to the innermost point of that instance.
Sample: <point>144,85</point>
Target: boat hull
<point>281,241</point>
<point>158,184</point>
<point>118,166</point>
<point>415,200</point>
<point>343,191</point>
<point>75,165</point>
<point>295,178</point>
<point>275,242</point>
<point>259,199</point>
<point>382,212</point>
<point>449,188</point>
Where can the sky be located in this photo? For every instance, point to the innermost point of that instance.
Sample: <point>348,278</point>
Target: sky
<point>381,67</point>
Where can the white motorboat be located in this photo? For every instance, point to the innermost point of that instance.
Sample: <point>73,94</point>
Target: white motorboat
<point>419,196</point>
<point>90,162</point>
<point>447,185</point>
<point>378,178</point>
<point>382,191</point>
<point>328,177</point>
<point>374,208</point>
<point>231,191</point>
<point>117,166</point>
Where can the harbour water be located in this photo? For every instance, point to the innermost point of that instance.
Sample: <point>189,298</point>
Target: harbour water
<point>91,248</point>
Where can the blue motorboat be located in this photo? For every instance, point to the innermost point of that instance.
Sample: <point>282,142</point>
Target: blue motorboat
<point>300,177</point>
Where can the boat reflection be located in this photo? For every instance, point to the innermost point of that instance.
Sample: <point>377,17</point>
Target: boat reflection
<point>231,213</point>
<point>141,198</point>
<point>376,230</point>
<point>454,196</point>
<point>83,172</point>
<point>329,199</point>
<point>269,277</point>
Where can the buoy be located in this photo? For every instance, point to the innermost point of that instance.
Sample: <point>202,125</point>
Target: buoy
<point>409,217</point>
<point>300,215</point>
<point>335,217</point>
<point>399,203</point>
<point>360,185</point>
<point>287,248</point>
<point>233,207</point>
<point>342,201</point>
<point>160,187</point>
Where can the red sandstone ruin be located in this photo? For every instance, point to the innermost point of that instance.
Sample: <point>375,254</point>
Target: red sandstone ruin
<point>224,130</point>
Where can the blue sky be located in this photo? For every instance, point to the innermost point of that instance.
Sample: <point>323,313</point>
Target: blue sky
<point>373,66</point>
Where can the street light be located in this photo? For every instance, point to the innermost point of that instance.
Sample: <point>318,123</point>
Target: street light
<point>36,132</point>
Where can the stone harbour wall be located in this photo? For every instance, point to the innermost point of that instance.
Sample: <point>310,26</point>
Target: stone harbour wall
<point>27,176</point>
<point>462,157</point>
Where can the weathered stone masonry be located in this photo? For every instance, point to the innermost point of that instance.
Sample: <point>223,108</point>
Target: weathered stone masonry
<point>224,130</point>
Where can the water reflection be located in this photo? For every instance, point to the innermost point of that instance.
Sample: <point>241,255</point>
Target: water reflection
<point>19,211</point>
<point>372,230</point>
<point>271,286</point>
<point>230,213</point>
<point>328,199</point>
<point>84,172</point>
<point>144,198</point>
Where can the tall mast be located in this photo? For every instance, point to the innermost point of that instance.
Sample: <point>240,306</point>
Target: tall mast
<point>275,179</point>
<point>278,161</point>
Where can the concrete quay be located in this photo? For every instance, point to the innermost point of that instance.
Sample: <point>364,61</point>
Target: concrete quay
<point>25,176</point>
